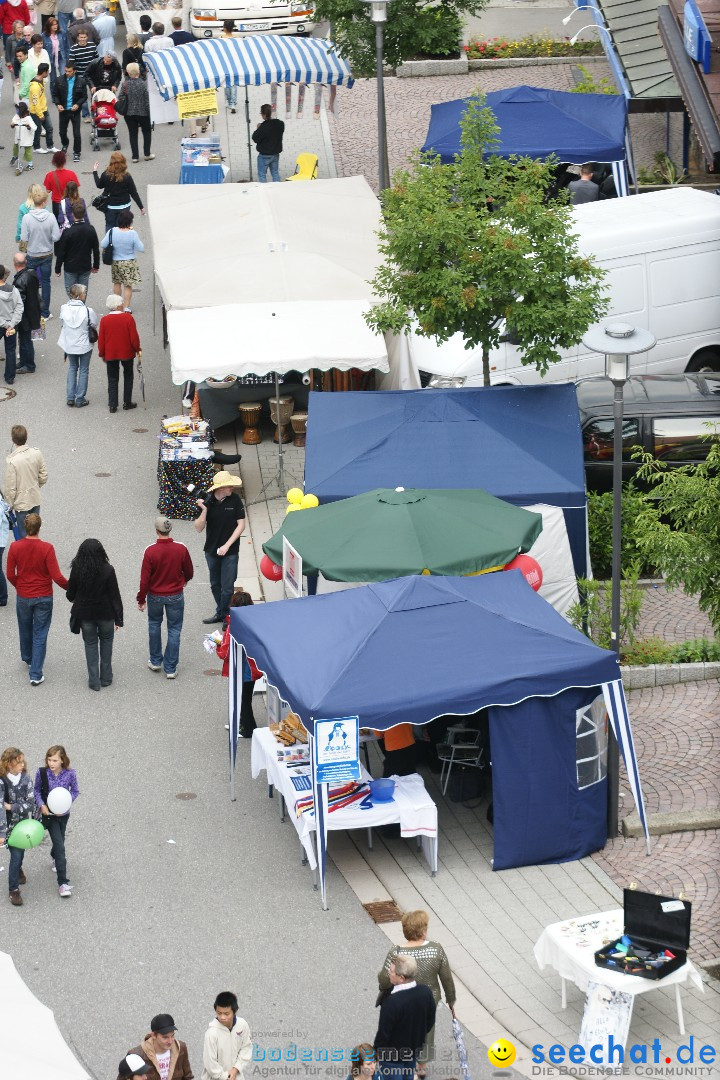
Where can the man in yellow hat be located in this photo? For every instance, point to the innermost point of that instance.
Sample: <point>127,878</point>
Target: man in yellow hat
<point>222,519</point>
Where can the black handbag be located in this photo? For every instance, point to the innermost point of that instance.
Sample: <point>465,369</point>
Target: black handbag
<point>92,338</point>
<point>75,626</point>
<point>101,202</point>
<point>108,252</point>
<point>121,104</point>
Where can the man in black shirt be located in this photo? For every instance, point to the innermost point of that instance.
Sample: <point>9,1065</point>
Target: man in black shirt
<point>268,137</point>
<point>406,1016</point>
<point>224,517</point>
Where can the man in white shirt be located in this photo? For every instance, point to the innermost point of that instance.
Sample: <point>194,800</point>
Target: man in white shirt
<point>159,39</point>
<point>166,1055</point>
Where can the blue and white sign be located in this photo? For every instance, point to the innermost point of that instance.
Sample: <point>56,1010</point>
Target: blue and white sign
<point>337,749</point>
<point>698,42</point>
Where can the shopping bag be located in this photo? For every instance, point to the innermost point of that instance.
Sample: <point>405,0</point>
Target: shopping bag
<point>460,1047</point>
<point>39,334</point>
<point>17,532</point>
<point>141,376</point>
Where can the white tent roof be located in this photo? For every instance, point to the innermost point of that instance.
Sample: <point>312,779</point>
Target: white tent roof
<point>30,1042</point>
<point>285,268</point>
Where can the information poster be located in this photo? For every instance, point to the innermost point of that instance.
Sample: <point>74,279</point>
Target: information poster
<point>607,1013</point>
<point>197,103</point>
<point>273,705</point>
<point>337,747</point>
<point>292,568</point>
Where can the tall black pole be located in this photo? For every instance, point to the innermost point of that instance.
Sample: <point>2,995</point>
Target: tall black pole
<point>613,759</point>
<point>383,172</point>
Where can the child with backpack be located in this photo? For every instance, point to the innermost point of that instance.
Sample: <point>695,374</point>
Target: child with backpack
<point>19,804</point>
<point>24,128</point>
<point>56,774</point>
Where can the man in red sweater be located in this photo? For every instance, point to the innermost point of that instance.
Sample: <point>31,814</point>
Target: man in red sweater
<point>166,570</point>
<point>32,567</point>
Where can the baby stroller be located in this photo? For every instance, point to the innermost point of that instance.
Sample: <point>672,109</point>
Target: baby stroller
<point>104,119</point>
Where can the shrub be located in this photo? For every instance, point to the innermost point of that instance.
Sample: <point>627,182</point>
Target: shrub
<point>588,84</point>
<point>438,32</point>
<point>593,614</point>
<point>655,651</point>
<point>498,48</point>
<point>600,532</point>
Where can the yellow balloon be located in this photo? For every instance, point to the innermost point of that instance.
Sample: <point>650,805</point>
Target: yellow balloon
<point>294,495</point>
<point>309,501</point>
<point>291,507</point>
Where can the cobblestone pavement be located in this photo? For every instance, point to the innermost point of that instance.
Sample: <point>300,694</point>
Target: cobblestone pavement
<point>672,615</point>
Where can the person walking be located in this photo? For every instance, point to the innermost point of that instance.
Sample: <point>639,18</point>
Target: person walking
<point>167,1056</point>
<point>27,284</point>
<point>133,1065</point>
<point>227,1047</point>
<point>78,249</point>
<point>39,233</point>
<point>65,10</point>
<point>104,73</point>
<point>81,55</point>
<point>250,672</point>
<point>56,773</point>
<point>69,94</point>
<point>126,244</point>
<point>118,187</point>
<point>82,25</point>
<point>406,1016</point>
<point>37,53</point>
<point>27,204</point>
<point>268,139</point>
<point>24,137</point>
<point>166,570</point>
<point>137,115</point>
<point>178,36</point>
<point>32,567</point>
<point>11,310</point>
<point>433,969</point>
<point>97,610</point>
<point>106,26</point>
<point>145,30</point>
<point>37,100</point>
<point>118,343</point>
<point>228,29</point>
<point>25,473</point>
<point>133,54</point>
<point>72,195</point>
<point>11,43</point>
<point>19,805</point>
<point>4,537</point>
<point>222,514</point>
<point>158,40</point>
<point>55,48</point>
<point>56,181</point>
<point>77,319</point>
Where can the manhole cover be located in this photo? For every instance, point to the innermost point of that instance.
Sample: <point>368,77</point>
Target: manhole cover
<point>212,671</point>
<point>103,474</point>
<point>140,430</point>
<point>384,911</point>
<point>6,394</point>
<point>186,796</point>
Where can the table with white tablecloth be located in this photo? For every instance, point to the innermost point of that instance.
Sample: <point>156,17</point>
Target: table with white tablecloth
<point>569,947</point>
<point>411,807</point>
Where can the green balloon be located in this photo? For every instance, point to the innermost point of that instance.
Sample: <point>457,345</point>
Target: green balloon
<point>26,834</point>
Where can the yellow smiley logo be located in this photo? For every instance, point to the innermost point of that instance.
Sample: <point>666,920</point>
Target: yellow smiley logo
<point>501,1053</point>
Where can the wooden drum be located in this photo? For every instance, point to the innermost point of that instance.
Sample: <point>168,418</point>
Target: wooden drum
<point>250,412</point>
<point>281,409</point>
<point>298,421</point>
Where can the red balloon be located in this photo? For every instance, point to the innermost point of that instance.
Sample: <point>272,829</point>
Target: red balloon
<point>529,568</point>
<point>269,569</point>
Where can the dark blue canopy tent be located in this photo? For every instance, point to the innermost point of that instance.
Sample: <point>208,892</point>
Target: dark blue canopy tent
<point>412,649</point>
<point>536,123</point>
<point>520,443</point>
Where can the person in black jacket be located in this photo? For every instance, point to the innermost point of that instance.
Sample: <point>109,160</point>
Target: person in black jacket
<point>27,284</point>
<point>406,1016</point>
<point>268,139</point>
<point>104,74</point>
<point>97,607</point>
<point>118,187</point>
<point>78,249</point>
<point>69,93</point>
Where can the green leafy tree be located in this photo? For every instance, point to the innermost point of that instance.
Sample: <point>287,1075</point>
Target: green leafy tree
<point>475,245</point>
<point>679,529</point>
<point>413,28</point>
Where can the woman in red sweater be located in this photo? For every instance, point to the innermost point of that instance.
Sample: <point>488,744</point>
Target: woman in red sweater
<point>10,12</point>
<point>118,343</point>
<point>58,179</point>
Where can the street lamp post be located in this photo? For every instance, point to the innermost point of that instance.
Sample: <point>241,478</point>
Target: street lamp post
<point>618,341</point>
<point>378,14</point>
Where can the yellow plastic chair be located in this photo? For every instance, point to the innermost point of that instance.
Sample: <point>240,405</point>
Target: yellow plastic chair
<point>306,168</point>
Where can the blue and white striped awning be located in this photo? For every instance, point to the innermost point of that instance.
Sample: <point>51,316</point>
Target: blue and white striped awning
<point>247,61</point>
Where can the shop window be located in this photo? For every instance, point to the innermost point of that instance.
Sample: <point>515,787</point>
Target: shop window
<point>683,438</point>
<point>598,439</point>
<point>591,741</point>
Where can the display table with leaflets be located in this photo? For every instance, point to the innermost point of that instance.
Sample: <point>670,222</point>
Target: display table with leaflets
<point>350,807</point>
<point>185,459</point>
<point>201,161</point>
<point>569,947</point>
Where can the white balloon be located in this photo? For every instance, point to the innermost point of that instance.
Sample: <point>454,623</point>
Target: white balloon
<point>59,801</point>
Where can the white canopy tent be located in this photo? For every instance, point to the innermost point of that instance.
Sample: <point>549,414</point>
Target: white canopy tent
<point>30,1041</point>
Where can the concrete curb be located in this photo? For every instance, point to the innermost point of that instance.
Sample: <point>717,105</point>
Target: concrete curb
<point>675,821</point>
<point>637,677</point>
<point>533,61</point>
<point>418,69</point>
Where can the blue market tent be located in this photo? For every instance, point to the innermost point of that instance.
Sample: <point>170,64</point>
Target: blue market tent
<point>412,649</point>
<point>536,123</point>
<point>520,443</point>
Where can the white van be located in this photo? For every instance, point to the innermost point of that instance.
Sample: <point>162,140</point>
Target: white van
<point>661,252</point>
<point>252,17</point>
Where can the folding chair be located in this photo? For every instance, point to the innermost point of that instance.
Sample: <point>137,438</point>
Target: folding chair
<point>469,752</point>
<point>306,168</point>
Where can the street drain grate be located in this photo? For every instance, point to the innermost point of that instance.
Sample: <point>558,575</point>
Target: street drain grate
<point>140,430</point>
<point>103,474</point>
<point>384,911</point>
<point>212,671</point>
<point>186,795</point>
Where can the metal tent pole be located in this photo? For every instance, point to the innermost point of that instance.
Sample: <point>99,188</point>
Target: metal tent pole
<point>249,142</point>
<point>279,476</point>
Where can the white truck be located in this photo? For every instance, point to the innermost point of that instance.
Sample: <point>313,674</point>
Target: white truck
<point>251,17</point>
<point>661,252</point>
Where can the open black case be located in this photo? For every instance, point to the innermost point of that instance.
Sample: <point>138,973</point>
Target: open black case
<point>653,923</point>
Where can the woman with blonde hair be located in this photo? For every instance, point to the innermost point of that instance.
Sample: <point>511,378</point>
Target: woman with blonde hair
<point>133,54</point>
<point>35,191</point>
<point>19,804</point>
<point>433,969</point>
<point>118,188</point>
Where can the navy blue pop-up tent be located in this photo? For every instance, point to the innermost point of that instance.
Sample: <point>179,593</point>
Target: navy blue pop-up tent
<point>520,443</point>
<point>535,122</point>
<point>412,649</point>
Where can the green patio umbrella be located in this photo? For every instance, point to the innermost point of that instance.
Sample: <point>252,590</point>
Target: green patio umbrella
<point>389,533</point>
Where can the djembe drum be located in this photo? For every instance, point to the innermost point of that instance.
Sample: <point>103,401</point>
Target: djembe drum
<point>281,409</point>
<point>250,412</point>
<point>298,421</point>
